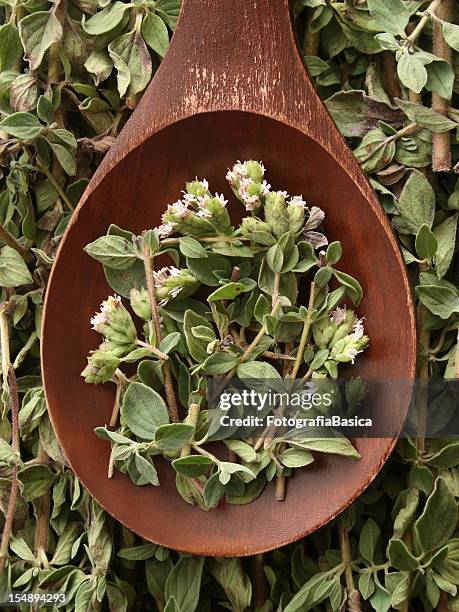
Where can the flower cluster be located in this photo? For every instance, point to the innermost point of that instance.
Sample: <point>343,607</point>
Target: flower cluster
<point>342,333</point>
<point>246,181</point>
<point>197,212</point>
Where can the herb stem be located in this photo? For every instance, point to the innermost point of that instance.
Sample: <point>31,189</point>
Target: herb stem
<point>9,384</point>
<point>423,21</point>
<point>252,346</point>
<point>25,349</point>
<point>154,350</point>
<point>170,393</point>
<point>275,297</point>
<point>43,516</point>
<point>441,150</point>
<point>259,582</point>
<point>49,175</point>
<point>11,241</point>
<point>191,419</point>
<point>456,358</point>
<point>354,603</point>
<point>305,333</point>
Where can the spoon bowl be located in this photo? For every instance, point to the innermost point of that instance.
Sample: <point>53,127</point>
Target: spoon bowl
<point>204,111</point>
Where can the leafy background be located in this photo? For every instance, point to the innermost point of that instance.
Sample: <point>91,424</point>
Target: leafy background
<point>71,72</point>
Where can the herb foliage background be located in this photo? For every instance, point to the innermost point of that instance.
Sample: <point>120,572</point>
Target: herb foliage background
<point>70,74</point>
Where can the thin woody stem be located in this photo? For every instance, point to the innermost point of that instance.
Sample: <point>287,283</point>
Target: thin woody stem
<point>354,601</point>
<point>9,382</point>
<point>305,334</point>
<point>423,21</point>
<point>11,241</point>
<point>170,393</point>
<point>441,150</point>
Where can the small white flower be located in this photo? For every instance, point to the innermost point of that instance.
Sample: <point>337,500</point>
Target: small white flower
<point>298,201</point>
<point>358,330</point>
<point>282,194</point>
<point>231,178</point>
<point>338,315</point>
<point>204,213</point>
<point>265,187</point>
<point>220,197</point>
<point>352,353</point>
<point>179,209</point>
<point>162,275</point>
<point>102,318</point>
<point>166,229</point>
<point>251,202</point>
<point>175,291</point>
<point>189,199</point>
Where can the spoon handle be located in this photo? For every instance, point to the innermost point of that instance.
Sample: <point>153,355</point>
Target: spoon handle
<point>234,54</point>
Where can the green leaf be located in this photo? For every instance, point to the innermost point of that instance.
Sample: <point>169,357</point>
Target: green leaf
<point>172,438</point>
<point>219,363</point>
<point>295,457</point>
<point>258,370</point>
<point>184,583</point>
<point>451,34</point>
<point>203,269</point>
<point>13,270</point>
<point>132,61</point>
<point>21,549</point>
<point>243,450</point>
<point>24,91</point>
<point>36,480</point>
<point>155,34</point>
<point>100,65</point>
<point>142,471</point>
<point>333,446</point>
<point>66,158</point>
<point>416,205</point>
<point>22,125</point>
<point>170,342</point>
<point>213,491</point>
<point>445,233</point>
<point>11,50</point>
<point>439,298</point>
<point>369,539</point>
<point>275,258</point>
<point>143,410</point>
<point>190,247</point>
<point>439,518</point>
<point>400,557</point>
<point>391,15</point>
<point>440,79</point>
<point>426,243</point>
<point>38,31</point>
<point>425,117</point>
<point>192,466</point>
<point>356,113</point>
<point>113,251</point>
<point>230,575</point>
<point>230,291</point>
<point>137,553</point>
<point>106,20</point>
<point>197,347</point>
<point>353,287</point>
<point>412,72</point>
<point>227,469</point>
<point>333,253</point>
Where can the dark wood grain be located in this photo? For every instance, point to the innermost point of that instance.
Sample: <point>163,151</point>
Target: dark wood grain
<point>232,86</point>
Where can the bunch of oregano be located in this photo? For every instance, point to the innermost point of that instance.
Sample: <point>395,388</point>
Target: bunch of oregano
<point>229,306</point>
<point>388,71</point>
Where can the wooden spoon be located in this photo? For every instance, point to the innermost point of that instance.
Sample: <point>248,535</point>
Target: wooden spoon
<point>231,87</point>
